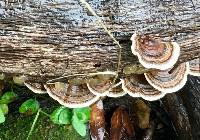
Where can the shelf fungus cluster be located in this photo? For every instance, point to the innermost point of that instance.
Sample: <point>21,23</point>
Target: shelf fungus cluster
<point>157,75</point>
<point>137,86</point>
<point>81,90</point>
<point>73,93</point>
<point>164,76</point>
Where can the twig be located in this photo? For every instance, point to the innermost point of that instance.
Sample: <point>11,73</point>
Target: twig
<point>44,113</point>
<point>109,33</point>
<point>34,122</point>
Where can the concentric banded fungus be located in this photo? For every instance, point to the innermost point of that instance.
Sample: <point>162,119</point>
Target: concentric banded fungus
<point>137,86</point>
<point>194,67</point>
<point>100,83</point>
<point>35,87</point>
<point>153,53</point>
<point>72,95</point>
<point>170,80</point>
<point>116,91</point>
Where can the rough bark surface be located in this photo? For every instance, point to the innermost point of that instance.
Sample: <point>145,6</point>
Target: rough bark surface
<point>45,39</point>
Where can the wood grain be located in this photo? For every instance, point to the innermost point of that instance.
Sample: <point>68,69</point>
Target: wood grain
<point>44,39</point>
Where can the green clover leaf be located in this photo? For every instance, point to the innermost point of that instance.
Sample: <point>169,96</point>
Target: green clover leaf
<point>82,114</point>
<point>79,126</point>
<point>4,108</point>
<point>61,115</point>
<point>2,117</point>
<point>29,107</point>
<point>8,97</point>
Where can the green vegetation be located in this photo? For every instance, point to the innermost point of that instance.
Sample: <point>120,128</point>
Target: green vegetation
<point>28,118</point>
<point>8,97</point>
<point>30,106</point>
<point>2,117</point>
<point>61,115</point>
<point>78,118</point>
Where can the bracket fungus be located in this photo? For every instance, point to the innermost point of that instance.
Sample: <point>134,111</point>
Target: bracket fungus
<point>153,53</point>
<point>71,93</point>
<point>116,90</point>
<point>100,83</point>
<point>137,86</point>
<point>35,87</point>
<point>170,80</point>
<point>194,67</point>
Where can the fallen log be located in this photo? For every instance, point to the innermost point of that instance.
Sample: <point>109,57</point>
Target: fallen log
<point>191,101</point>
<point>46,39</point>
<point>179,116</point>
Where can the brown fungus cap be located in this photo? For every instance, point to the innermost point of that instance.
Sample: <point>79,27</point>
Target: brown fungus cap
<point>100,83</point>
<point>72,95</point>
<point>137,86</point>
<point>170,80</point>
<point>116,90</point>
<point>194,67</point>
<point>153,53</point>
<point>35,87</point>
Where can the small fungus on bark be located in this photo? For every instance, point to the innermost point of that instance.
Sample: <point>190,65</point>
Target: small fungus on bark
<point>71,95</point>
<point>35,87</point>
<point>153,53</point>
<point>116,90</point>
<point>137,86</point>
<point>100,83</point>
<point>169,81</point>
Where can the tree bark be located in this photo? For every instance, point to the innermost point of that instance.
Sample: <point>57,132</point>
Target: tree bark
<point>46,39</point>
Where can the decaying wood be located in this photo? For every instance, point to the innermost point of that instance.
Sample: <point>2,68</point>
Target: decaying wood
<point>183,108</point>
<point>191,101</point>
<point>178,115</point>
<point>45,39</point>
<point>149,132</point>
